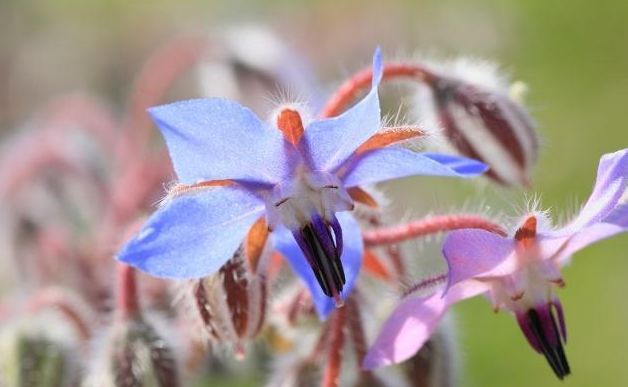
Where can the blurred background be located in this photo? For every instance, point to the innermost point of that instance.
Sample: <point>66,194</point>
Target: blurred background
<point>572,55</point>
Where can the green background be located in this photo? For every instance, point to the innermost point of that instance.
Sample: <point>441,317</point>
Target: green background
<point>572,54</point>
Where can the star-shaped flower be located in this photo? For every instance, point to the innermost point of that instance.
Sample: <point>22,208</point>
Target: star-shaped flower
<point>518,273</point>
<point>237,169</point>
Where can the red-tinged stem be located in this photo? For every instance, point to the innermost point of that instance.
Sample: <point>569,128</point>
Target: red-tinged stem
<point>356,330</point>
<point>394,255</point>
<point>392,251</point>
<point>432,225</point>
<point>331,374</point>
<point>166,65</point>
<point>323,339</point>
<point>78,111</point>
<point>295,307</point>
<point>4,311</point>
<point>425,284</point>
<point>35,156</point>
<point>48,148</point>
<point>133,191</point>
<point>349,91</point>
<point>51,297</point>
<point>52,243</point>
<point>128,299</point>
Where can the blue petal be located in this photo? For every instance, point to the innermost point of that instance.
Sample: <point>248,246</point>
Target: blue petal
<point>214,139</point>
<point>351,261</point>
<point>330,142</point>
<point>392,163</point>
<point>378,67</point>
<point>193,235</point>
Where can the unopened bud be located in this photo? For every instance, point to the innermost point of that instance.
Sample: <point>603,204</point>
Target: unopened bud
<point>135,354</point>
<point>231,304</point>
<point>485,123</point>
<point>247,61</point>
<point>39,351</point>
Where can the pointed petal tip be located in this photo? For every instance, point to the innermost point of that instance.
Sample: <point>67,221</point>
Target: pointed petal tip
<point>461,166</point>
<point>372,361</point>
<point>155,111</point>
<point>378,67</point>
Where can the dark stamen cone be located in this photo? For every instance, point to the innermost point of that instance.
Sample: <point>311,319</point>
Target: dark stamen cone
<point>321,243</point>
<point>546,336</point>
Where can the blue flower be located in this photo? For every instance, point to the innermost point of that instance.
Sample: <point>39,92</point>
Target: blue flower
<point>294,175</point>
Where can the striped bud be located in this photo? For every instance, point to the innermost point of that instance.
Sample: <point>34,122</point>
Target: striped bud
<point>39,350</point>
<point>135,354</point>
<point>231,304</point>
<point>36,360</point>
<point>485,123</point>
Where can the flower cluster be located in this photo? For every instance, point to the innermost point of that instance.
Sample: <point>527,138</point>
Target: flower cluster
<point>236,169</point>
<point>274,229</point>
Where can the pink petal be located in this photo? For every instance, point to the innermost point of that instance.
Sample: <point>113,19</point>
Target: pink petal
<point>610,184</point>
<point>476,253</point>
<point>566,246</point>
<point>411,324</point>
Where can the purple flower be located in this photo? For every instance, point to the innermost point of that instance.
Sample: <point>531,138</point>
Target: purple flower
<point>295,174</point>
<point>518,273</point>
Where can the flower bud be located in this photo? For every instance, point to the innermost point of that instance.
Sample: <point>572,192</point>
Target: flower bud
<point>135,354</point>
<point>481,121</point>
<point>247,62</point>
<point>231,304</point>
<point>39,351</point>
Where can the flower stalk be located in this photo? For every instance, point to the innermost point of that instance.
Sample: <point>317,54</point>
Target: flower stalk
<point>128,299</point>
<point>351,88</point>
<point>331,374</point>
<point>428,226</point>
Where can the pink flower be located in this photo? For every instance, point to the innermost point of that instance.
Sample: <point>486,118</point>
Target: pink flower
<point>518,273</point>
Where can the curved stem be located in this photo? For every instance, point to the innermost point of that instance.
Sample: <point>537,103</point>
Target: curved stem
<point>82,112</point>
<point>153,81</point>
<point>431,225</point>
<point>51,297</point>
<point>360,81</point>
<point>128,299</point>
<point>355,327</point>
<point>331,374</point>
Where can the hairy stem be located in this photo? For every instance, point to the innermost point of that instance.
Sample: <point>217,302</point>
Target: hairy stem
<point>53,298</point>
<point>428,226</point>
<point>128,299</point>
<point>331,374</point>
<point>348,91</point>
<point>155,78</point>
<point>355,327</point>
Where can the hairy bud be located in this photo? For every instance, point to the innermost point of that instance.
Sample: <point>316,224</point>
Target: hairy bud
<point>39,351</point>
<point>485,123</point>
<point>231,304</point>
<point>135,354</point>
